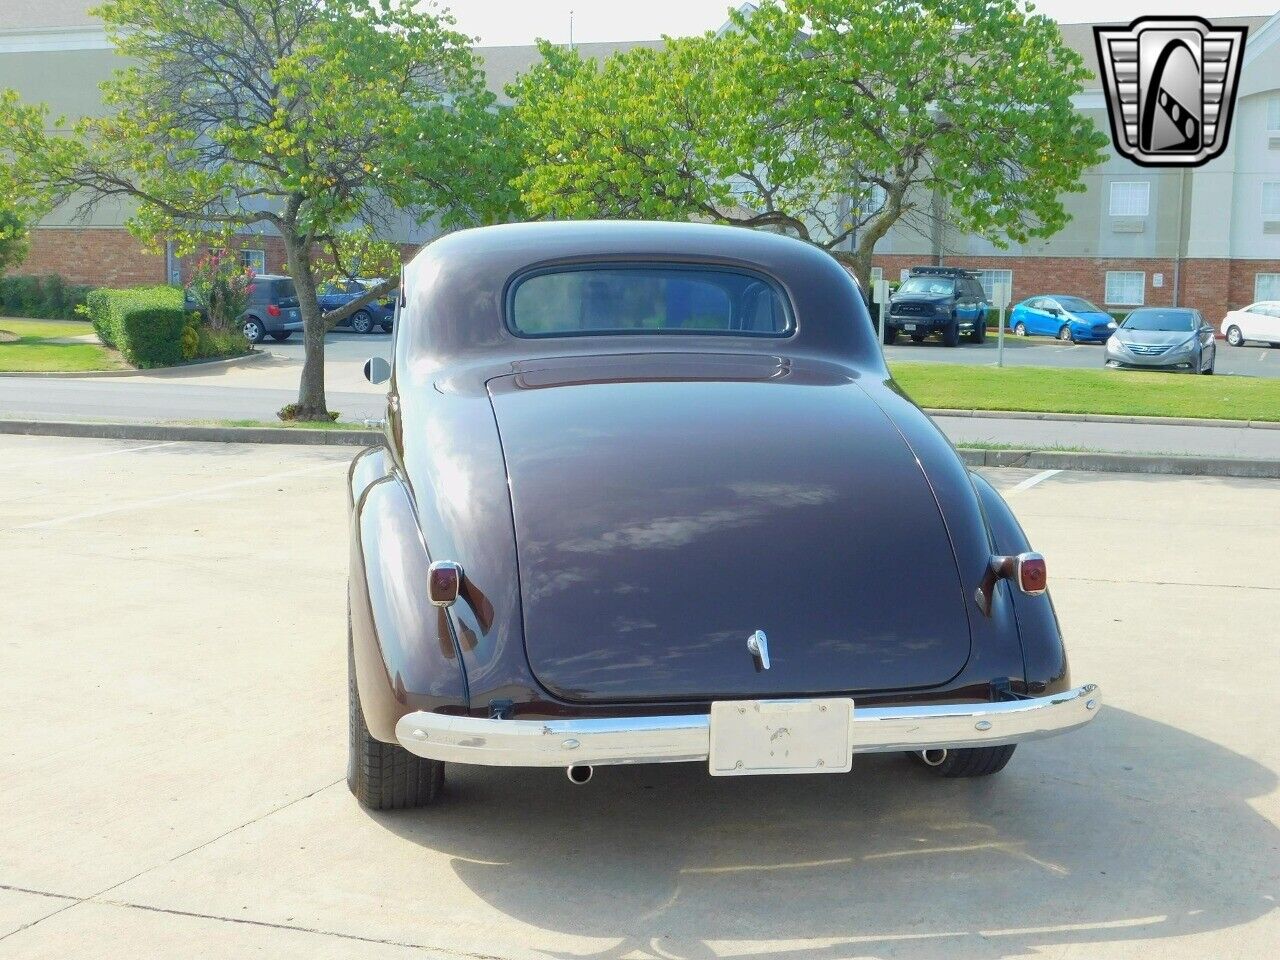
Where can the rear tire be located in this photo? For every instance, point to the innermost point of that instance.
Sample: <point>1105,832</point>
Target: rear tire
<point>253,330</point>
<point>951,334</point>
<point>972,761</point>
<point>1235,337</point>
<point>281,336</point>
<point>890,334</point>
<point>979,332</point>
<point>384,776</point>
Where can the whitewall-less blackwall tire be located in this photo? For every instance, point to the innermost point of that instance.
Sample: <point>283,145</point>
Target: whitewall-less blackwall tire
<point>384,776</point>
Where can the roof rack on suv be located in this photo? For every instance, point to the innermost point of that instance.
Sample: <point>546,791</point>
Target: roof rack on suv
<point>940,272</point>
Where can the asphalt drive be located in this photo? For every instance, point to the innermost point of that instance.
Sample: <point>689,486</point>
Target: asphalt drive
<point>173,699</point>
<point>1253,360</point>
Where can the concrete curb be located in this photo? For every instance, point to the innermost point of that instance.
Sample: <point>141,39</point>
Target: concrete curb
<point>356,437</point>
<point>259,356</point>
<point>1124,463</point>
<point>1104,418</point>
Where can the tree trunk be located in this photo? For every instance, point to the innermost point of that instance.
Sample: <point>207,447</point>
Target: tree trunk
<point>311,402</point>
<point>860,261</point>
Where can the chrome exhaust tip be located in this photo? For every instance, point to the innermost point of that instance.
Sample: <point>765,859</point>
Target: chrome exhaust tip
<point>579,773</point>
<point>933,758</point>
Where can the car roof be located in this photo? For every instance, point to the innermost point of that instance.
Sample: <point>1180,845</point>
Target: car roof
<point>1176,311</point>
<point>461,280</point>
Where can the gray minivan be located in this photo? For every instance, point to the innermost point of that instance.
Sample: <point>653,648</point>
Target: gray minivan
<point>272,309</point>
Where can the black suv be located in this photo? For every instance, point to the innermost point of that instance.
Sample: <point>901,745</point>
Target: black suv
<point>272,309</point>
<point>944,300</point>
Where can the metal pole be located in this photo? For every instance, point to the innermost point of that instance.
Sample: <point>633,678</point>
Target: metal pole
<point>883,298</point>
<point>1000,341</point>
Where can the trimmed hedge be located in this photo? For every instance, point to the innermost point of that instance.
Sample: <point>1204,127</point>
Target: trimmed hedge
<point>44,298</point>
<point>145,324</point>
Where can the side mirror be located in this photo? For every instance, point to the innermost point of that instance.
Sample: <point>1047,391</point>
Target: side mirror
<point>377,370</point>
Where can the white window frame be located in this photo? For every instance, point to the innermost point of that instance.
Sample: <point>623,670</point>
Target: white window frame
<point>1273,115</point>
<point>1266,286</point>
<point>989,279</point>
<point>254,258</point>
<point>1269,200</point>
<point>1117,298</point>
<point>1136,204</point>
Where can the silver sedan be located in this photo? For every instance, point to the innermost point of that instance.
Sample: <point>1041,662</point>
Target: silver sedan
<point>1163,338</point>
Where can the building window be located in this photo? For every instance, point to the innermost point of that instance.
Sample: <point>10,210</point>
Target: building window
<point>1266,286</point>
<point>1130,198</point>
<point>256,260</point>
<point>1271,200</point>
<point>1273,115</point>
<point>989,279</point>
<point>1126,288</point>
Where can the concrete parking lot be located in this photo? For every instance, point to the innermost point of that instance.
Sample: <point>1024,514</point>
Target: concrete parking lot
<point>173,700</point>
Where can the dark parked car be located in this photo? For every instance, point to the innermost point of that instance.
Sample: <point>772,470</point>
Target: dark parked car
<point>943,300</point>
<point>1175,339</point>
<point>648,494</point>
<point>272,309</point>
<point>379,313</point>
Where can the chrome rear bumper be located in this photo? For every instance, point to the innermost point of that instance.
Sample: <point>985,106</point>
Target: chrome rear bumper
<point>670,739</point>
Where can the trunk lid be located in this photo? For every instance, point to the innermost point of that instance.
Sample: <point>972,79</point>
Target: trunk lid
<point>667,507</point>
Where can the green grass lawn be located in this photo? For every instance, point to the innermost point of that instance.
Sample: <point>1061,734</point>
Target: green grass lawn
<point>1056,390</point>
<point>33,351</point>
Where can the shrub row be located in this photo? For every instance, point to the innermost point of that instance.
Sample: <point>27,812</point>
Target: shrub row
<point>151,327</point>
<point>45,298</point>
<point>145,324</point>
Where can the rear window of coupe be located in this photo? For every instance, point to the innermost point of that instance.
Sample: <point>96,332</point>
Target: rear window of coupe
<point>646,299</point>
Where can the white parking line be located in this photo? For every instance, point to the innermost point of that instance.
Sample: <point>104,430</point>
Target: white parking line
<point>1030,482</point>
<point>185,495</point>
<point>88,456</point>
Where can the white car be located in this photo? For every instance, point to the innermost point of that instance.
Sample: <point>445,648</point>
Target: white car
<point>1258,321</point>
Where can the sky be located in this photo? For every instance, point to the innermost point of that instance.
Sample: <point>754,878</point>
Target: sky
<point>503,22</point>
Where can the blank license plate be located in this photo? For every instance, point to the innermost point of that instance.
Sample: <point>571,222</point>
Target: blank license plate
<point>909,327</point>
<point>781,736</point>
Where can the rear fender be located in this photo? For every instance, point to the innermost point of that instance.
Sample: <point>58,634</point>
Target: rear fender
<point>405,654</point>
<point>1043,652</point>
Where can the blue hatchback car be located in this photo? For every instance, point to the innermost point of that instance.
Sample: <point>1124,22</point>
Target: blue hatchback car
<point>1067,318</point>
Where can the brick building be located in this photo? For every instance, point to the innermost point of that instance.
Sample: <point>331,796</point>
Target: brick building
<point>1208,237</point>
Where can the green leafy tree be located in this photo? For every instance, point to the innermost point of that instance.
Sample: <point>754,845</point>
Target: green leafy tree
<point>831,120</point>
<point>323,121</point>
<point>13,235</point>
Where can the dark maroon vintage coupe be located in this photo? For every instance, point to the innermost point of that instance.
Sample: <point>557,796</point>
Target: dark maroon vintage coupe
<point>649,494</point>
